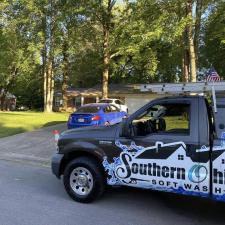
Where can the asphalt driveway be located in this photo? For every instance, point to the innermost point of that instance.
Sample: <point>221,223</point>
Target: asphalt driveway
<point>30,194</point>
<point>34,147</point>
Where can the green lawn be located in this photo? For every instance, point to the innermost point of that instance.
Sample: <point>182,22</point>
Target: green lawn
<point>18,122</point>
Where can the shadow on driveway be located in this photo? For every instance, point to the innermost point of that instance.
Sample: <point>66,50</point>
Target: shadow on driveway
<point>32,147</point>
<point>53,123</point>
<point>6,131</point>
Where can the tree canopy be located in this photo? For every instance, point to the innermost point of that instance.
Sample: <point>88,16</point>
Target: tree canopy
<point>48,45</point>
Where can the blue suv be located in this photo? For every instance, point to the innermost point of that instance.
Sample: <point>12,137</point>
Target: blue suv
<point>95,114</point>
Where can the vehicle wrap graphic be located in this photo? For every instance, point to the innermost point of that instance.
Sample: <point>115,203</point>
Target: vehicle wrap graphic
<point>175,173</point>
<point>218,172</point>
<point>197,174</point>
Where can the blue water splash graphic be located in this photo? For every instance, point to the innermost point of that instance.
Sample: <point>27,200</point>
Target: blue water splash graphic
<point>223,139</point>
<point>219,197</point>
<point>110,168</point>
<point>132,148</point>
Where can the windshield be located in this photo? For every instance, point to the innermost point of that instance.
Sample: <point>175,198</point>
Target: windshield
<point>154,113</point>
<point>88,109</point>
<point>106,101</point>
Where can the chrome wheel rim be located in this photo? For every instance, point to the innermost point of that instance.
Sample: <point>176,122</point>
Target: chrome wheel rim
<point>81,181</point>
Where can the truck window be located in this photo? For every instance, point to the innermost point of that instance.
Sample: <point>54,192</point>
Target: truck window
<point>165,118</point>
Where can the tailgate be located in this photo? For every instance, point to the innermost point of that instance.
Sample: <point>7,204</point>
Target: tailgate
<point>82,118</point>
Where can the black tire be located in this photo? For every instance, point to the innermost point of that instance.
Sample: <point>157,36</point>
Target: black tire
<point>98,179</point>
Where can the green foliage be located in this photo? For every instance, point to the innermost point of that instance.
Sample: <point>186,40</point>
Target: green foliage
<point>19,55</point>
<point>149,49</point>
<point>146,42</point>
<point>213,52</point>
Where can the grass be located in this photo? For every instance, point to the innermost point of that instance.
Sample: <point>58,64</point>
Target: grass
<point>17,122</point>
<point>172,122</point>
<point>175,122</point>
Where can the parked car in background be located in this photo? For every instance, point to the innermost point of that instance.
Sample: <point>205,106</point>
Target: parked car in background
<point>118,103</point>
<point>95,114</point>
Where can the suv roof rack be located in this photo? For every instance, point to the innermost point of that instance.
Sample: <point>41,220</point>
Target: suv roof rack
<point>186,88</point>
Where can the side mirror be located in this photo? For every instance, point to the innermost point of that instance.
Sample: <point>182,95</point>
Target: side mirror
<point>125,128</point>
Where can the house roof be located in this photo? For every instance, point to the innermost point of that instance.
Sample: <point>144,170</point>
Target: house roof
<point>114,89</point>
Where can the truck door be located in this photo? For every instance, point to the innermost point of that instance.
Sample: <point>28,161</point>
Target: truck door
<point>162,152</point>
<point>218,153</point>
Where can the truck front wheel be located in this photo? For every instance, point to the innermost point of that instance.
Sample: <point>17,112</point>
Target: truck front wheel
<point>84,180</point>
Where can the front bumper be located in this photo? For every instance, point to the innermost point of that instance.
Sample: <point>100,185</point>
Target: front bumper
<point>56,164</point>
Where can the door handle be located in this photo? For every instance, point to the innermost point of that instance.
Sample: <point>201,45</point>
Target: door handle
<point>157,147</point>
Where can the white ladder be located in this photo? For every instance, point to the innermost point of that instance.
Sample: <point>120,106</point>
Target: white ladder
<point>177,88</point>
<point>186,88</point>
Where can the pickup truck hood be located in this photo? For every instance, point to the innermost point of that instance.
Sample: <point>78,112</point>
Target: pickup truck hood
<point>94,132</point>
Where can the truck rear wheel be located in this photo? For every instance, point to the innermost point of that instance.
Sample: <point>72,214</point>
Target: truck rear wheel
<point>84,180</point>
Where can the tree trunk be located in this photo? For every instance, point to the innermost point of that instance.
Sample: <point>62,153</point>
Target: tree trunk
<point>44,60</point>
<point>52,87</point>
<point>192,57</point>
<point>49,87</point>
<point>2,100</point>
<point>45,83</point>
<point>106,24</point>
<point>185,58</point>
<point>185,55</point>
<point>49,29</point>
<point>185,66</point>
<point>191,43</point>
<point>1,96</point>
<point>197,27</point>
<point>65,75</point>
<point>106,61</point>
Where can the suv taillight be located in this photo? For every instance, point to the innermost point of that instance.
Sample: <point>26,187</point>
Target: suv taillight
<point>96,118</point>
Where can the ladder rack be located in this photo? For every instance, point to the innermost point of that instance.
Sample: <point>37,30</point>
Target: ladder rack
<point>183,88</point>
<point>186,88</point>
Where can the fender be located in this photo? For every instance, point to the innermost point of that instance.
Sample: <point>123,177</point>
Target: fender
<point>85,147</point>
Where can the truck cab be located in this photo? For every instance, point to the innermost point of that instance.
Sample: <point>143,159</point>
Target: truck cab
<point>173,144</point>
<point>176,150</point>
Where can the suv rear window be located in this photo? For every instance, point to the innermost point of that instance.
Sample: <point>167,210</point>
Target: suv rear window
<point>88,109</point>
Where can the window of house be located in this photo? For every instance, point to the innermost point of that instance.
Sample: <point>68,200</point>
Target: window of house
<point>58,102</point>
<point>77,101</point>
<point>165,118</point>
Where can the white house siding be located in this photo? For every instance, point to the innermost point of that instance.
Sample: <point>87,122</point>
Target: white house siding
<point>134,102</point>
